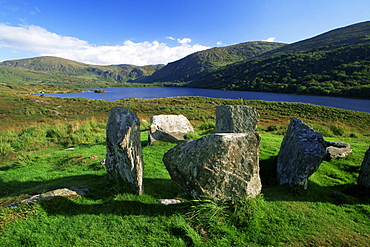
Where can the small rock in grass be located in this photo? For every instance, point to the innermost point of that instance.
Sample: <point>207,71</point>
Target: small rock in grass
<point>168,201</point>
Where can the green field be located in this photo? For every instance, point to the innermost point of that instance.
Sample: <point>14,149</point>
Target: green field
<point>41,150</point>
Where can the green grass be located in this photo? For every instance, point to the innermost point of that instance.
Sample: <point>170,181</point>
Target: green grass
<point>58,154</point>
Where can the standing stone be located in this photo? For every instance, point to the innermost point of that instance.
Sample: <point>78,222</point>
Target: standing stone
<point>236,119</point>
<point>172,127</point>
<point>124,160</point>
<point>301,153</point>
<point>364,175</point>
<point>219,166</point>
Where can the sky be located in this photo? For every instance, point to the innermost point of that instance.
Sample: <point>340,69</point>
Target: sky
<point>144,32</point>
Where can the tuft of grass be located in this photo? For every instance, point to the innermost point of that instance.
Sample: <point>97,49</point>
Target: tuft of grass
<point>207,125</point>
<point>144,125</point>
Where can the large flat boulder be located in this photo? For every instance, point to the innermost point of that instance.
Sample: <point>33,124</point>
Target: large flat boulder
<point>172,127</point>
<point>337,150</point>
<point>236,119</point>
<point>364,175</point>
<point>50,195</point>
<point>301,153</point>
<point>220,166</point>
<point>124,159</point>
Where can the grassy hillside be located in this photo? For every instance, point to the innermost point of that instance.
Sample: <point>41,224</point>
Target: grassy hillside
<point>31,81</point>
<point>50,143</point>
<point>63,73</point>
<point>18,111</point>
<point>335,64</point>
<point>197,64</point>
<point>337,38</point>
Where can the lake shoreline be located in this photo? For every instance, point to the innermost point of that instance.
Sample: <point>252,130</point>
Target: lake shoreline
<point>118,93</point>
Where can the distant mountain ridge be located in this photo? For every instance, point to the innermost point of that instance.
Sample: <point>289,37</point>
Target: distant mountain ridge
<point>336,63</point>
<point>340,37</point>
<point>65,67</point>
<point>197,64</point>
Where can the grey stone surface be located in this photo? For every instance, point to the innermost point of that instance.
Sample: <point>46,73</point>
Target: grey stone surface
<point>301,153</point>
<point>124,159</point>
<point>338,144</point>
<point>364,175</point>
<point>337,150</point>
<point>50,195</point>
<point>168,201</point>
<point>236,119</point>
<point>220,166</point>
<point>172,127</point>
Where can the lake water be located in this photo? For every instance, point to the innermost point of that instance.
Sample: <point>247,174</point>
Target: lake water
<point>114,94</point>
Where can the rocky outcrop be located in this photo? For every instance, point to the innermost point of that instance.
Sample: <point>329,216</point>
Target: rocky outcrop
<point>172,127</point>
<point>124,159</point>
<point>236,119</point>
<point>219,166</point>
<point>301,153</point>
<point>50,195</point>
<point>336,150</point>
<point>364,175</point>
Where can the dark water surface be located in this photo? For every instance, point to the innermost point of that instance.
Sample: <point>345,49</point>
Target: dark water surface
<point>114,94</point>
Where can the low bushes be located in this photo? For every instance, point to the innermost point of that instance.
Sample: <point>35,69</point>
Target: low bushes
<point>35,138</point>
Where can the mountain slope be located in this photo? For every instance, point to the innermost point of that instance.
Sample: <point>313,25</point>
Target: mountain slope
<point>340,37</point>
<point>197,64</point>
<point>335,63</point>
<point>64,67</point>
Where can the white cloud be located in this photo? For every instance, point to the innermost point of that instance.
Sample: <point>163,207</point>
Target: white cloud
<point>219,43</point>
<point>184,41</point>
<point>39,41</point>
<point>171,38</point>
<point>271,39</point>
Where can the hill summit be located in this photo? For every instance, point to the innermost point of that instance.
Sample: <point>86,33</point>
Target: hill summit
<point>336,63</point>
<point>200,63</point>
<point>54,69</point>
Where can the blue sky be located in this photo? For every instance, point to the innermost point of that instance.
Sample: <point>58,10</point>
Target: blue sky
<point>145,32</point>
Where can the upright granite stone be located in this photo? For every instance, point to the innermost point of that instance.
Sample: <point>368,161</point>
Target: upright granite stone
<point>124,160</point>
<point>172,127</point>
<point>236,119</point>
<point>364,175</point>
<point>301,153</point>
<point>220,166</point>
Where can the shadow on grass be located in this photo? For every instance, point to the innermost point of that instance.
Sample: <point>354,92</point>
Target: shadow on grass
<point>99,186</point>
<point>337,194</point>
<point>9,167</point>
<point>104,196</point>
<point>64,206</point>
<point>13,188</point>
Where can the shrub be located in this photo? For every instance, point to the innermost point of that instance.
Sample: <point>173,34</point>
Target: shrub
<point>272,128</point>
<point>5,148</point>
<point>28,139</point>
<point>280,130</point>
<point>6,139</point>
<point>207,125</point>
<point>90,132</point>
<point>336,130</point>
<point>354,135</point>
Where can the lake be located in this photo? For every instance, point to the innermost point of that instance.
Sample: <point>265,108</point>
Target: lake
<point>114,94</point>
